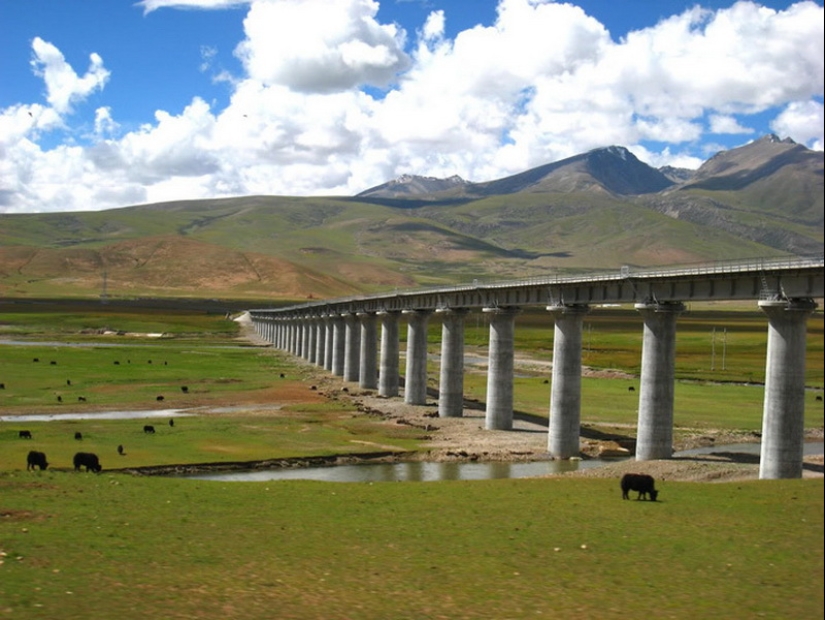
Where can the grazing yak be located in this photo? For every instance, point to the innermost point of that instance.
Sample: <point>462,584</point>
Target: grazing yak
<point>25,434</point>
<point>642,484</point>
<point>87,460</point>
<point>36,459</point>
<point>149,429</point>
<point>78,435</point>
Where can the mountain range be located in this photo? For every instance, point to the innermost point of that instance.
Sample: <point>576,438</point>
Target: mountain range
<point>598,210</point>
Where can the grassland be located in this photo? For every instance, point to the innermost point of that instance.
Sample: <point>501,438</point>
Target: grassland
<point>76,545</point>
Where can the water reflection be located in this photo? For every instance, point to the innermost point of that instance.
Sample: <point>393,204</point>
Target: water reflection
<point>422,471</point>
<point>103,415</point>
<point>417,471</point>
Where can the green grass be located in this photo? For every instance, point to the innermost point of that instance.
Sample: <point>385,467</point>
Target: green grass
<point>114,546</point>
<point>111,545</point>
<point>298,431</point>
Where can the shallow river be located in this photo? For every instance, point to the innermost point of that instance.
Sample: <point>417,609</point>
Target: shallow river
<point>391,472</point>
<point>432,472</point>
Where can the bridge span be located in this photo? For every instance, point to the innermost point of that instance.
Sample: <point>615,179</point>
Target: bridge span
<point>342,336</point>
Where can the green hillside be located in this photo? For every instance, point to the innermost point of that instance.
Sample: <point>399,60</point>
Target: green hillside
<point>283,248</point>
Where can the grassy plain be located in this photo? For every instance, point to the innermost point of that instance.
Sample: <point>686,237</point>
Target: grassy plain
<point>114,545</point>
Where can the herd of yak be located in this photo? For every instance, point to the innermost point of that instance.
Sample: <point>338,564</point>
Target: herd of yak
<point>642,484</point>
<point>37,460</point>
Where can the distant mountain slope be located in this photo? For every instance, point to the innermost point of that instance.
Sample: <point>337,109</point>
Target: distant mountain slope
<point>598,210</point>
<point>613,169</point>
<point>738,168</point>
<point>769,191</point>
<point>410,185</point>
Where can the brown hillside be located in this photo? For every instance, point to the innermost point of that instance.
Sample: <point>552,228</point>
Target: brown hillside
<point>162,266</point>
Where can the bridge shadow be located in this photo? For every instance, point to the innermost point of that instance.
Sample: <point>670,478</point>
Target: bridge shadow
<point>731,457</point>
<point>625,441</point>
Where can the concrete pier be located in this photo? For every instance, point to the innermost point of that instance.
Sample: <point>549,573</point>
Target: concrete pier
<point>368,373</point>
<point>499,412</point>
<point>304,341</point>
<point>338,347</point>
<point>415,380</point>
<point>320,341</point>
<point>655,427</point>
<point>565,390</point>
<point>312,343</point>
<point>783,414</point>
<point>329,341</point>
<point>388,360</point>
<point>451,377</point>
<point>352,348</point>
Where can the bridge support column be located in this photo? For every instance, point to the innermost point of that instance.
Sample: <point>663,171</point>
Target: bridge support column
<point>499,411</point>
<point>311,345</point>
<point>565,390</point>
<point>783,415</point>
<point>352,347</point>
<point>293,336</point>
<point>338,346</point>
<point>329,341</point>
<point>320,340</point>
<point>451,377</point>
<point>655,427</point>
<point>415,380</point>
<point>368,373</point>
<point>300,330</point>
<point>388,364</point>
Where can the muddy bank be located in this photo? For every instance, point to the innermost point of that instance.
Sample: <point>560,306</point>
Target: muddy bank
<point>287,463</point>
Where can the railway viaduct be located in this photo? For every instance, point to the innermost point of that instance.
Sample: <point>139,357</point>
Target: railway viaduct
<point>342,335</point>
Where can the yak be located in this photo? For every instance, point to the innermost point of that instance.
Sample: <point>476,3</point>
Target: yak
<point>87,460</point>
<point>643,484</point>
<point>36,459</point>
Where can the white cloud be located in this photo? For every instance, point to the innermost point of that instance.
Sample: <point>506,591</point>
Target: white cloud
<point>320,46</point>
<point>104,124</point>
<point>723,123</point>
<point>542,83</point>
<point>154,5</point>
<point>63,85</point>
<point>433,27</point>
<point>802,121</point>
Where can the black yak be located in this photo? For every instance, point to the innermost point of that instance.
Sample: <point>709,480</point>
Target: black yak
<point>36,459</point>
<point>87,460</point>
<point>642,484</point>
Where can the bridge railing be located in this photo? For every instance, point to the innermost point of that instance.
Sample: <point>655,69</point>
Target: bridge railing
<point>762,266</point>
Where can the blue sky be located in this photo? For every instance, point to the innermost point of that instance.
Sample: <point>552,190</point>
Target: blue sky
<point>109,103</point>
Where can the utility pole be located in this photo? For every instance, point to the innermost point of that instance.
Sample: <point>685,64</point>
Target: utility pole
<point>713,349</point>
<point>104,296</point>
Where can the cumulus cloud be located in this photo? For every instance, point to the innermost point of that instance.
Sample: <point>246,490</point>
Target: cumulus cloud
<point>63,85</point>
<point>803,120</point>
<point>332,101</point>
<point>346,46</point>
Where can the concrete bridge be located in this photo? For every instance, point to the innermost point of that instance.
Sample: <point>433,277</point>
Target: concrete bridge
<point>341,335</point>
